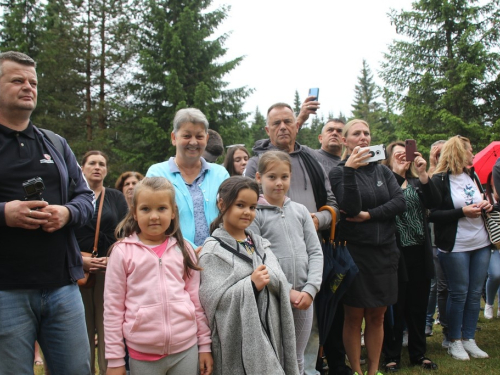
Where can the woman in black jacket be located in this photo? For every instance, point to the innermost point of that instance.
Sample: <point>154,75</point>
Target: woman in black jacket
<point>114,209</point>
<point>416,267</point>
<point>463,244</point>
<point>369,198</point>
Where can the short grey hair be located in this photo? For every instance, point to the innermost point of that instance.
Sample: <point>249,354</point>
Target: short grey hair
<point>17,57</point>
<point>193,115</point>
<point>437,143</point>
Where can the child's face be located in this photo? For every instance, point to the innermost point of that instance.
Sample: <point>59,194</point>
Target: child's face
<point>154,212</point>
<point>275,182</point>
<point>241,213</point>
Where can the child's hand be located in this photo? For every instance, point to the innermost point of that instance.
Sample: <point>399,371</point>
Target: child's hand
<point>294,296</point>
<point>260,277</point>
<point>206,363</point>
<point>116,371</point>
<point>303,302</point>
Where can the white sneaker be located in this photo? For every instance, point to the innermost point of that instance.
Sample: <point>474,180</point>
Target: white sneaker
<point>488,311</point>
<point>471,348</point>
<point>405,338</point>
<point>445,343</point>
<point>457,351</point>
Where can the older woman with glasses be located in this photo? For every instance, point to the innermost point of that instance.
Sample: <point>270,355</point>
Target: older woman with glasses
<point>463,243</point>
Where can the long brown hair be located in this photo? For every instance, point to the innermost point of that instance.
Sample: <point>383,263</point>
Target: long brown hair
<point>229,160</point>
<point>129,225</point>
<point>228,193</point>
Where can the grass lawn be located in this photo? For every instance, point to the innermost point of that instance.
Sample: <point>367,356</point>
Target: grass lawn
<point>488,339</point>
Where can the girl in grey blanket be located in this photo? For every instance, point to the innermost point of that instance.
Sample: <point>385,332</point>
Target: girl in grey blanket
<point>244,291</point>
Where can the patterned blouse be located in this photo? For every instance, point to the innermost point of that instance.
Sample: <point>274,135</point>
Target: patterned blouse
<point>410,224</point>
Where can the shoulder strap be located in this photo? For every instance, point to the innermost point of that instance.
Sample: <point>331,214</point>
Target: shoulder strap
<point>57,143</point>
<point>98,224</point>
<point>54,139</point>
<point>234,251</point>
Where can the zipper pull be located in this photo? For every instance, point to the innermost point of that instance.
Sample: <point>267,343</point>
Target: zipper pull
<point>160,262</point>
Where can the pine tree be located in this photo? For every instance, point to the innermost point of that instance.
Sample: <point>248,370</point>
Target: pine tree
<point>20,27</point>
<point>180,66</point>
<point>296,103</point>
<point>366,93</point>
<point>446,70</point>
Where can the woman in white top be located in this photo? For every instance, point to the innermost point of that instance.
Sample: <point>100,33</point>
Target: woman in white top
<point>463,243</point>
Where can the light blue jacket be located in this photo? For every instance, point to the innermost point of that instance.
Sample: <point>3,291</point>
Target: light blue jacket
<point>214,176</point>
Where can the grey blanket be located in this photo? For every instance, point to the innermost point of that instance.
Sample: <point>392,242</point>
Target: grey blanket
<point>250,335</point>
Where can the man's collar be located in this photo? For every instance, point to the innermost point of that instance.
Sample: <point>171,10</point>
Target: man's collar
<point>28,132</point>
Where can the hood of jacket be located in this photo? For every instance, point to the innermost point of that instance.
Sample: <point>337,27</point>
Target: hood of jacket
<point>263,203</point>
<point>263,145</point>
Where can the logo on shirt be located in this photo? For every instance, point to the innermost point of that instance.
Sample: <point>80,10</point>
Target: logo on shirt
<point>379,183</point>
<point>469,194</point>
<point>47,160</point>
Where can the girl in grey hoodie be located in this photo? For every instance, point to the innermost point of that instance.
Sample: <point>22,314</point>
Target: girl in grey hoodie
<point>290,229</point>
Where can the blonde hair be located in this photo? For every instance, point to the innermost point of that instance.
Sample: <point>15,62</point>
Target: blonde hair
<point>411,172</point>
<point>453,156</point>
<point>129,225</point>
<point>346,129</point>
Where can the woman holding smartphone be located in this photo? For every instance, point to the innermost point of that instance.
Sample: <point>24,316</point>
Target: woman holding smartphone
<point>369,198</point>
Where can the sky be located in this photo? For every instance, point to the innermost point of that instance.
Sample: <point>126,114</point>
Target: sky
<point>292,46</point>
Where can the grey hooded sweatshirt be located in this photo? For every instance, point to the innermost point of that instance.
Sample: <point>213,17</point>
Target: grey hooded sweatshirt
<point>301,188</point>
<point>294,241</point>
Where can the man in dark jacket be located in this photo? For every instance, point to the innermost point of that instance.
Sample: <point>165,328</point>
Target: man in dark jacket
<point>39,257</point>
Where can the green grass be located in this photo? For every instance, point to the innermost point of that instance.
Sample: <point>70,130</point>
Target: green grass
<point>488,339</point>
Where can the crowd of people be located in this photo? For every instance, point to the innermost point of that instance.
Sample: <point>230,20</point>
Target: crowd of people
<point>204,268</point>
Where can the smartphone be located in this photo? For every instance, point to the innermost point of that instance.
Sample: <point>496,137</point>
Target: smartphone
<point>411,148</point>
<point>314,92</point>
<point>377,153</point>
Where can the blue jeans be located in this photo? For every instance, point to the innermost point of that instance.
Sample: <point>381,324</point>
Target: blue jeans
<point>493,281</point>
<point>465,273</point>
<point>54,317</point>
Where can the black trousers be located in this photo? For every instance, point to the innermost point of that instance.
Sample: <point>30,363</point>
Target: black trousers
<point>333,348</point>
<point>411,307</point>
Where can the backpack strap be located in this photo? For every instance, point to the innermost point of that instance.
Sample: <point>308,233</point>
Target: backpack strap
<point>54,139</point>
<point>57,143</point>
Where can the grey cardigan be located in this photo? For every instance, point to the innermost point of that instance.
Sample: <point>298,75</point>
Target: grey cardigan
<point>251,334</point>
<point>294,241</point>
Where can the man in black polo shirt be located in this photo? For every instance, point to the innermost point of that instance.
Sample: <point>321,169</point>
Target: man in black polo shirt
<point>39,257</point>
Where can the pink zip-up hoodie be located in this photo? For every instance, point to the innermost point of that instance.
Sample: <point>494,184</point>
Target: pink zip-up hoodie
<point>150,301</point>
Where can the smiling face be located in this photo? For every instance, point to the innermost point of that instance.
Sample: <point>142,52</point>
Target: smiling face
<point>357,135</point>
<point>241,213</point>
<point>18,88</point>
<point>240,160</point>
<point>190,141</point>
<point>154,212</point>
<point>95,169</point>
<point>282,128</point>
<point>275,182</point>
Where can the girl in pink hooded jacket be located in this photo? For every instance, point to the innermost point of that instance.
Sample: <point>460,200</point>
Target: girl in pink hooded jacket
<point>151,291</point>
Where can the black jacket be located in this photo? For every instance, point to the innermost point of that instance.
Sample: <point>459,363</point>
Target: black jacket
<point>429,197</point>
<point>445,217</point>
<point>374,189</point>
